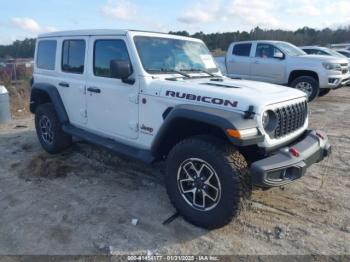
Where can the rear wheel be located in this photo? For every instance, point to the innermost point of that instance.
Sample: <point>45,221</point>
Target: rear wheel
<point>324,91</point>
<point>308,85</point>
<point>49,130</point>
<point>206,180</point>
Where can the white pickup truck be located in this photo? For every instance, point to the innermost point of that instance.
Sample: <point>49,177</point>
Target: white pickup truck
<point>285,64</point>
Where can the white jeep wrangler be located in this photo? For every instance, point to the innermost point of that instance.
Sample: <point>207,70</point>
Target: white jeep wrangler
<point>156,97</point>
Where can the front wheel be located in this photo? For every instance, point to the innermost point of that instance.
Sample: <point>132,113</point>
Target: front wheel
<point>308,85</point>
<point>206,180</point>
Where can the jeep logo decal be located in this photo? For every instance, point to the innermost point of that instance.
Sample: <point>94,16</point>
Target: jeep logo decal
<point>147,129</point>
<point>204,99</point>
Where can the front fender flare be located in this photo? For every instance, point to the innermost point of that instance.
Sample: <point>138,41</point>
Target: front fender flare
<point>212,116</point>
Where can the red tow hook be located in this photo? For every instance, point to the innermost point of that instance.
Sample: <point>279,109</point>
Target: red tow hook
<point>294,152</point>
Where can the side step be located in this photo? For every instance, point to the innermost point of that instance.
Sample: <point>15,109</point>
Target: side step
<point>132,152</point>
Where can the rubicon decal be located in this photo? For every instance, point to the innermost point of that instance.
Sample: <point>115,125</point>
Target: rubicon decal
<point>204,99</point>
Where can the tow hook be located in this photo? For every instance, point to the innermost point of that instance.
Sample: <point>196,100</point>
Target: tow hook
<point>294,152</point>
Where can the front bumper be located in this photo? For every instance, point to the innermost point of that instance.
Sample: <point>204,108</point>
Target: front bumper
<point>334,81</point>
<point>290,163</point>
<point>346,82</point>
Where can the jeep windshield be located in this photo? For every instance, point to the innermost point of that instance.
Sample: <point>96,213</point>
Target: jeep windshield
<point>174,56</point>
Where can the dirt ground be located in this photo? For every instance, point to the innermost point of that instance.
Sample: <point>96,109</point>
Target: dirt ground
<point>82,202</point>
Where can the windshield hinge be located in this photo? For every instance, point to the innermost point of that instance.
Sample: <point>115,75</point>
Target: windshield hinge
<point>134,98</point>
<point>250,113</point>
<point>134,126</point>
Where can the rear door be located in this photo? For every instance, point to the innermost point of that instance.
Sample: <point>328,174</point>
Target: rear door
<point>112,105</point>
<point>72,77</point>
<point>238,60</point>
<point>265,67</point>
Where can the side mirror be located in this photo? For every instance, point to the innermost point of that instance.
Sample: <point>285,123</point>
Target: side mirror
<point>278,55</point>
<point>120,69</point>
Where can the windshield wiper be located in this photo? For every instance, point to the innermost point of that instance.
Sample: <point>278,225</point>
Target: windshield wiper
<point>199,71</point>
<point>165,70</point>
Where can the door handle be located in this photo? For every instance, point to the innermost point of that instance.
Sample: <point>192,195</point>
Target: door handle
<point>257,62</point>
<point>94,90</point>
<point>63,84</point>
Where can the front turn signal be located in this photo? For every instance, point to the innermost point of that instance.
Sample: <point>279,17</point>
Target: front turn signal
<point>233,133</point>
<point>242,133</point>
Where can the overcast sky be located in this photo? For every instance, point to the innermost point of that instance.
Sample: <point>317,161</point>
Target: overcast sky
<point>20,19</point>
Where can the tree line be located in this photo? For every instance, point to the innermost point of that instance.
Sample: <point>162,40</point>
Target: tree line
<point>219,42</point>
<point>300,37</point>
<point>18,49</point>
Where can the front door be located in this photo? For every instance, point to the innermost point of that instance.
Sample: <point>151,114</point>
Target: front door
<point>112,105</point>
<point>265,67</point>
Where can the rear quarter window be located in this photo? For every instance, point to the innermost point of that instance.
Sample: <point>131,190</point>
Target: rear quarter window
<point>46,54</point>
<point>242,49</point>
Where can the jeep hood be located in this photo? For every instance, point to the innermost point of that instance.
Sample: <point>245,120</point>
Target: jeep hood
<point>245,93</point>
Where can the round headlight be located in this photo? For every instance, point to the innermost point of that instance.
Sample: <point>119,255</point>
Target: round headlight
<point>269,120</point>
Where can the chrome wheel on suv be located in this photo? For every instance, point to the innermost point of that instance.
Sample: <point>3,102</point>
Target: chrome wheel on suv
<point>308,84</point>
<point>305,87</point>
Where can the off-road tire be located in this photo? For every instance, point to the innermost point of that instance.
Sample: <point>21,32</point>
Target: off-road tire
<point>312,81</point>
<point>324,91</point>
<point>60,140</point>
<point>231,168</point>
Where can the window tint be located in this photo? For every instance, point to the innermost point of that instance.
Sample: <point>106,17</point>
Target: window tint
<point>308,51</point>
<point>266,51</point>
<point>105,52</point>
<point>242,49</point>
<point>315,52</point>
<point>73,56</point>
<point>320,52</point>
<point>344,53</point>
<point>46,57</point>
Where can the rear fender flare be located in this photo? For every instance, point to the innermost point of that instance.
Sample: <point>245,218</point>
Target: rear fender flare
<point>51,91</point>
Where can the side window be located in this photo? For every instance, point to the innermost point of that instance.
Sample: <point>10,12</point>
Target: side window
<point>344,53</point>
<point>242,49</point>
<point>309,51</point>
<point>315,52</point>
<point>105,51</point>
<point>73,56</point>
<point>320,52</point>
<point>46,54</point>
<point>266,51</point>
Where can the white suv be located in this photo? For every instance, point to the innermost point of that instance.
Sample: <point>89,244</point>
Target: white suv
<point>285,64</point>
<point>156,97</point>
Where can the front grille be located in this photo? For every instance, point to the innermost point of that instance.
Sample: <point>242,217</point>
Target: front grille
<point>290,118</point>
<point>345,68</point>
